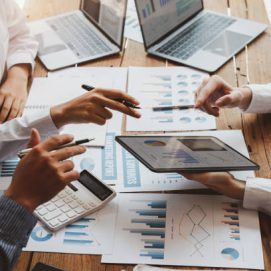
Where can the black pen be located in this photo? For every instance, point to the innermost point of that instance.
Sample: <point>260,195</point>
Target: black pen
<point>179,107</point>
<point>126,103</point>
<point>24,152</point>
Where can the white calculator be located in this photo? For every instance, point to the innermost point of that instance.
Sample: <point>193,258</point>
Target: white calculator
<point>82,197</point>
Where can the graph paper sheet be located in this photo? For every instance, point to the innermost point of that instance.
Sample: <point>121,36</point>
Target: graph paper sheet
<point>93,234</point>
<point>190,230</point>
<point>156,87</point>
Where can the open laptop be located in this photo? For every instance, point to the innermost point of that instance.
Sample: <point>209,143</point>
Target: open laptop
<point>94,31</point>
<point>182,31</point>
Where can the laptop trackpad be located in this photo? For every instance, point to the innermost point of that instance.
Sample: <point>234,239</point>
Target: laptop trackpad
<point>227,43</point>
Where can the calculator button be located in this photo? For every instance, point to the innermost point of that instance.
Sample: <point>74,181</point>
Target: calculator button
<point>46,203</point>
<point>80,202</point>
<point>68,199</point>
<point>54,223</point>
<point>59,203</point>
<point>54,199</point>
<point>51,207</point>
<point>86,206</point>
<point>73,204</point>
<point>42,211</point>
<point>65,208</point>
<point>79,210</point>
<point>52,215</point>
<point>62,218</point>
<point>62,194</point>
<point>68,191</point>
<point>73,196</point>
<point>91,204</point>
<point>71,214</point>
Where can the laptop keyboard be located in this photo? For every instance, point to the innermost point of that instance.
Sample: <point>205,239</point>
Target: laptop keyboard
<point>78,36</point>
<point>195,36</point>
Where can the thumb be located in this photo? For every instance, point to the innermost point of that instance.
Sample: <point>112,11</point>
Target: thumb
<point>34,138</point>
<point>230,100</point>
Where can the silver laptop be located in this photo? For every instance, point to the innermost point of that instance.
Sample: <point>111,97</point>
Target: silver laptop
<point>94,31</point>
<point>182,31</point>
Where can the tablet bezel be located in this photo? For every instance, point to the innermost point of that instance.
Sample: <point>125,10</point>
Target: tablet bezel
<point>255,166</point>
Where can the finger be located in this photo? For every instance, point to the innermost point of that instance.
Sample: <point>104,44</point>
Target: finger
<point>6,107</point>
<point>15,109</point>
<point>211,110</point>
<point>199,177</point>
<point>230,100</point>
<point>97,119</point>
<point>103,113</point>
<point>21,110</point>
<point>68,152</point>
<point>66,166</point>
<point>118,94</point>
<point>56,141</point>
<point>34,138</point>
<point>202,84</point>
<point>119,106</point>
<point>71,176</point>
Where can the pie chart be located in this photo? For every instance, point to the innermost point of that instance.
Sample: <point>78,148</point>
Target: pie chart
<point>87,163</point>
<point>39,234</point>
<point>230,254</point>
<point>155,143</point>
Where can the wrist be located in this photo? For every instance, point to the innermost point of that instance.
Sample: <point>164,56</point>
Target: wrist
<point>59,115</point>
<point>246,98</point>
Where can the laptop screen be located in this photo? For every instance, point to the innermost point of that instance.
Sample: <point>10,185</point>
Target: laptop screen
<point>159,17</point>
<point>109,15</point>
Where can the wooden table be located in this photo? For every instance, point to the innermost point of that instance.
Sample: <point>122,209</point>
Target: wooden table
<point>251,65</point>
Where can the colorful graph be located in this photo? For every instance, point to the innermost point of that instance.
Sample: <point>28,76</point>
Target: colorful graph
<point>164,2</point>
<point>87,163</point>
<point>155,143</point>
<point>79,233</point>
<point>148,9</point>
<point>149,221</point>
<point>230,254</point>
<point>8,167</point>
<point>40,234</point>
<point>180,154</point>
<point>231,219</point>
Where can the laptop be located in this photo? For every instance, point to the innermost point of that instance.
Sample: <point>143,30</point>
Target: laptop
<point>94,31</point>
<point>183,31</point>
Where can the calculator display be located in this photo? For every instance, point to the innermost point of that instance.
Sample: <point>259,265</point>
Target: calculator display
<point>94,185</point>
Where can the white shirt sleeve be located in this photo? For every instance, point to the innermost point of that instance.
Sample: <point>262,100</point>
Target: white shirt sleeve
<point>261,99</point>
<point>22,47</point>
<point>258,195</point>
<point>15,133</point>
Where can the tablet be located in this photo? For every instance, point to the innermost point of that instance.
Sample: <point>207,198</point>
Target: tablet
<point>185,153</point>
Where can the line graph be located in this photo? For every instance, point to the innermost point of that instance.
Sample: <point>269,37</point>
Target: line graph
<point>192,229</point>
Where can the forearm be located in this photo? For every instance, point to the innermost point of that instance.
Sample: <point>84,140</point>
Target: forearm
<point>19,72</point>
<point>16,223</point>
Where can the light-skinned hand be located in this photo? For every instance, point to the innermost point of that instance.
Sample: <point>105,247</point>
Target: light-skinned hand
<point>93,107</point>
<point>13,92</point>
<point>215,93</point>
<point>43,172</point>
<point>221,182</point>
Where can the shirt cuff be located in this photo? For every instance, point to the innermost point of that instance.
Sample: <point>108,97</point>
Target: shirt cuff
<point>16,223</point>
<point>21,58</point>
<point>261,99</point>
<point>258,195</point>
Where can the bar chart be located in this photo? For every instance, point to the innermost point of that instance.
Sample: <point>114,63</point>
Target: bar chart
<point>149,221</point>
<point>8,167</point>
<point>231,219</point>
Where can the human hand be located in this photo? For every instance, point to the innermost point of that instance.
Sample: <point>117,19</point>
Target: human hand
<point>215,93</point>
<point>43,172</point>
<point>93,107</point>
<point>221,182</point>
<point>13,93</point>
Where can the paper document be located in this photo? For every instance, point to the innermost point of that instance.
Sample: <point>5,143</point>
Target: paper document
<point>7,169</point>
<point>189,230</point>
<point>132,28</point>
<point>142,267</point>
<point>93,234</point>
<point>170,86</point>
<point>136,177</point>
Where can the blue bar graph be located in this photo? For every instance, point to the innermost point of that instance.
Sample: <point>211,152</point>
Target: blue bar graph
<point>8,167</point>
<point>79,232</point>
<point>149,221</point>
<point>164,2</point>
<point>180,154</point>
<point>148,9</point>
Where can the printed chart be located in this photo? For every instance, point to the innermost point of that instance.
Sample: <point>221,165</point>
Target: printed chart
<point>190,230</point>
<point>156,87</point>
<point>90,235</point>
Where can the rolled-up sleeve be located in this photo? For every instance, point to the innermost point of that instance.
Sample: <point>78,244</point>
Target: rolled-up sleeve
<point>16,224</point>
<point>258,195</point>
<point>22,46</point>
<point>261,99</point>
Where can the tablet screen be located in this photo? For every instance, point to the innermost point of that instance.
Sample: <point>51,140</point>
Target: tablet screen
<point>171,153</point>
